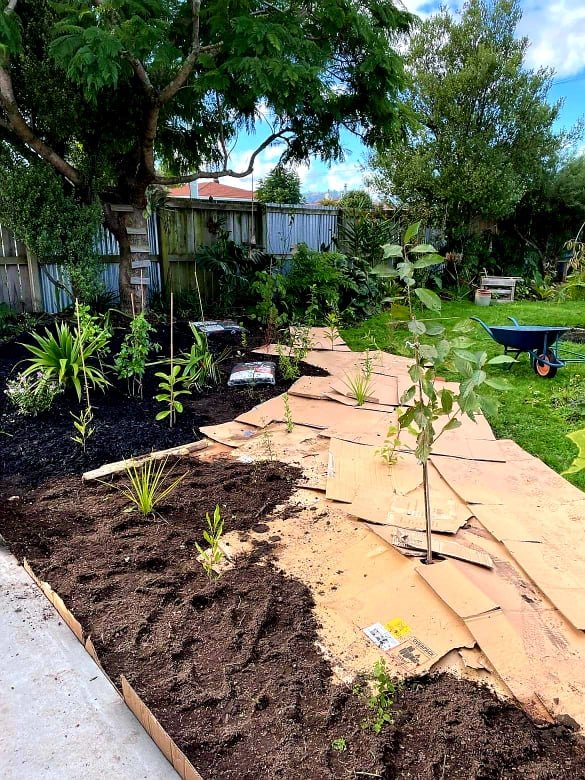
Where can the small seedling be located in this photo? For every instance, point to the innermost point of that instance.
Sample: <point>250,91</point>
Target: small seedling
<point>146,488</point>
<point>360,386</point>
<point>381,700</point>
<point>171,386</point>
<point>288,418</point>
<point>339,745</point>
<point>388,451</point>
<point>267,445</point>
<point>332,330</point>
<point>213,555</point>
<point>83,425</point>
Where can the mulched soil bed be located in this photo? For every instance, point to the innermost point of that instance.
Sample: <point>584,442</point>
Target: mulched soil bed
<point>231,667</point>
<point>33,449</point>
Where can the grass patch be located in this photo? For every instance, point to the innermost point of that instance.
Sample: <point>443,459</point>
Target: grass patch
<point>536,413</point>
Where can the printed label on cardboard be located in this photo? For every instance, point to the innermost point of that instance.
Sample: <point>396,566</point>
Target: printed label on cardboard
<point>413,653</point>
<point>381,637</point>
<point>398,628</point>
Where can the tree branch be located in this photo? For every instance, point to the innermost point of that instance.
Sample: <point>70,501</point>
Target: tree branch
<point>17,124</point>
<point>170,180</point>
<point>141,74</point>
<point>10,7</point>
<point>187,67</point>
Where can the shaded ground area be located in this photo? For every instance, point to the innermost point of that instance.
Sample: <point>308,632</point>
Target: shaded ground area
<point>231,667</point>
<point>33,449</point>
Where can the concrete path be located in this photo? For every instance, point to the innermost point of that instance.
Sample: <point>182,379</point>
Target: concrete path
<point>60,717</point>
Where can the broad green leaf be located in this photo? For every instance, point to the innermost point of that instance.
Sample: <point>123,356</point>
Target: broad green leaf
<point>488,405</point>
<point>425,262</point>
<point>578,464</point>
<point>424,249</point>
<point>162,415</point>
<point>464,326</point>
<point>428,298</point>
<point>417,327</point>
<point>381,269</point>
<point>392,250</point>
<point>446,397</point>
<point>411,232</point>
<point>435,330</point>
<point>461,342</point>
<point>452,424</point>
<point>497,384</point>
<point>478,377</point>
<point>470,357</point>
<point>428,352</point>
<point>499,360</point>
<point>408,395</point>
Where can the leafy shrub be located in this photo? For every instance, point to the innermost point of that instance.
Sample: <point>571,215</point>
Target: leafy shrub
<point>32,395</point>
<point>131,360</point>
<point>322,270</point>
<point>57,356</point>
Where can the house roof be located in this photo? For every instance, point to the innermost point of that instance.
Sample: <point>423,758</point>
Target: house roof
<point>212,189</point>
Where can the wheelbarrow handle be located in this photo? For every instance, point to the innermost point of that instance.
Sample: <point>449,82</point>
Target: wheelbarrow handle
<point>515,321</point>
<point>483,325</point>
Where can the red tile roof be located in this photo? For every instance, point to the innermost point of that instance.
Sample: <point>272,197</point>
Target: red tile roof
<point>212,189</point>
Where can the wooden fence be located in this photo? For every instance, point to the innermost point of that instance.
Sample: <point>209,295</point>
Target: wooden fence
<point>181,227</point>
<point>19,275</point>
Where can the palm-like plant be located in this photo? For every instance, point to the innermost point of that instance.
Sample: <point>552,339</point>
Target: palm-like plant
<point>57,356</point>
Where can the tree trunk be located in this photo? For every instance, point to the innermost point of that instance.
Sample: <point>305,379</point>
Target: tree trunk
<point>129,226</point>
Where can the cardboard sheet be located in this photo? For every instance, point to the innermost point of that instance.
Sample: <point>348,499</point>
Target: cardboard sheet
<point>404,539</point>
<point>538,654</point>
<point>383,389</point>
<point>311,387</point>
<point>549,545</point>
<point>393,496</point>
<point>356,468</point>
<point>232,434</point>
<point>464,598</point>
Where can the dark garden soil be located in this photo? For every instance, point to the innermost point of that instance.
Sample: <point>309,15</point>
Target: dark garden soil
<point>231,667</point>
<point>33,449</point>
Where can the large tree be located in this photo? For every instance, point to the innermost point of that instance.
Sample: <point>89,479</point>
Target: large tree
<point>117,96</point>
<point>484,129</point>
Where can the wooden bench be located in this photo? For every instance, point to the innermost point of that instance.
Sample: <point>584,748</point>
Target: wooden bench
<point>502,287</point>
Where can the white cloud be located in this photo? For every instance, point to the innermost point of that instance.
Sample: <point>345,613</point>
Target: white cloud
<point>557,34</point>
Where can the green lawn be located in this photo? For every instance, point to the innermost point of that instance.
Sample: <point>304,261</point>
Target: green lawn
<point>537,413</point>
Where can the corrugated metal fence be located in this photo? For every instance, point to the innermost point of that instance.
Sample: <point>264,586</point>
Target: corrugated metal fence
<point>287,226</point>
<point>55,298</point>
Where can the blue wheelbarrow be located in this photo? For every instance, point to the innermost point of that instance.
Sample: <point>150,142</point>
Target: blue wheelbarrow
<point>541,342</point>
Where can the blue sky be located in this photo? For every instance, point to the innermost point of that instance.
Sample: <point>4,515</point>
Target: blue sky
<point>556,31</point>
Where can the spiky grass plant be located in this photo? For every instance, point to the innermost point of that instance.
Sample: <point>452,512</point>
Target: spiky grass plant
<point>360,386</point>
<point>148,485</point>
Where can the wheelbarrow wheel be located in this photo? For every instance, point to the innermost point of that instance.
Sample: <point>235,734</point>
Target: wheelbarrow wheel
<point>543,369</point>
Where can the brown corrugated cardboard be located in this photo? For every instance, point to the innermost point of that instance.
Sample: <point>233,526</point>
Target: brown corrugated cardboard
<point>232,434</point>
<point>402,538</point>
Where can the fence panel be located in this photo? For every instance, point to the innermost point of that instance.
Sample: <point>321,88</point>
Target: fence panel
<point>287,226</point>
<point>188,224</point>
<point>15,283</point>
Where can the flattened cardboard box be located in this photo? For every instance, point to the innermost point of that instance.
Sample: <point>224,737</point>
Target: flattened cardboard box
<point>538,654</point>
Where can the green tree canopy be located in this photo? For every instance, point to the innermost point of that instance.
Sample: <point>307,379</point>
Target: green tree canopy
<point>356,199</point>
<point>120,95</point>
<point>282,185</point>
<point>484,135</point>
